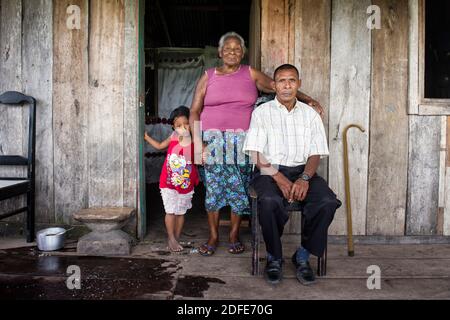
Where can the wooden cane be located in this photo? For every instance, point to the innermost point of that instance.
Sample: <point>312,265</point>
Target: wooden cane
<point>351,251</point>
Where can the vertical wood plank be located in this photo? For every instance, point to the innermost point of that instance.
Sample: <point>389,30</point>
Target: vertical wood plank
<point>106,76</point>
<point>446,217</point>
<point>413,88</point>
<point>312,55</point>
<point>442,166</point>
<point>274,35</point>
<point>255,35</point>
<point>130,105</point>
<point>13,123</point>
<point>70,110</point>
<point>423,175</point>
<point>389,122</point>
<point>349,104</point>
<point>37,62</point>
<point>291,11</point>
<point>442,161</point>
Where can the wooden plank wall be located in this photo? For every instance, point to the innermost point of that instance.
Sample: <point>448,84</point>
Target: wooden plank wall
<point>70,111</point>
<point>349,104</point>
<point>13,119</point>
<point>388,158</point>
<point>85,82</point>
<point>312,54</point>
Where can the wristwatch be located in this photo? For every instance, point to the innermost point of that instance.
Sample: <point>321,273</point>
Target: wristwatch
<point>305,177</point>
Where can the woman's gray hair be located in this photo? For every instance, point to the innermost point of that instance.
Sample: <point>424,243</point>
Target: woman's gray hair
<point>235,35</point>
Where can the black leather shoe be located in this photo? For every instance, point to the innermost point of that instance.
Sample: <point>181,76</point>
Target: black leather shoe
<point>305,274</point>
<point>273,272</point>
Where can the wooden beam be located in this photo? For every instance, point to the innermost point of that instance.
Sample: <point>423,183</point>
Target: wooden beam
<point>255,35</point>
<point>130,110</point>
<point>413,87</point>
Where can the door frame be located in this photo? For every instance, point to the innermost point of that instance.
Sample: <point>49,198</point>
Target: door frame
<point>142,219</point>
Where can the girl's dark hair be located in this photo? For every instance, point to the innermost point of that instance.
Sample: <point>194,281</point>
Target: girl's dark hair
<point>181,111</point>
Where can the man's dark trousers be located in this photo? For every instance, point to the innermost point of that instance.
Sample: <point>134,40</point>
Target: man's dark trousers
<point>318,208</point>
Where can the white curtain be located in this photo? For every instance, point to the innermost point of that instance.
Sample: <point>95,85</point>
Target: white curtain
<point>176,86</point>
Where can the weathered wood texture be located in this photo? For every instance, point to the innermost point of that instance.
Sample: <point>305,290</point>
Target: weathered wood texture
<point>70,111</point>
<point>130,106</point>
<point>442,167</point>
<point>37,59</point>
<point>13,120</point>
<point>423,175</point>
<point>413,88</point>
<point>388,160</point>
<point>312,54</point>
<point>106,97</point>
<point>274,34</point>
<point>446,217</point>
<point>349,104</point>
<point>255,35</point>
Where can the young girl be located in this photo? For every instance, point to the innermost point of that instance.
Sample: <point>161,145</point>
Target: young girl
<point>179,175</point>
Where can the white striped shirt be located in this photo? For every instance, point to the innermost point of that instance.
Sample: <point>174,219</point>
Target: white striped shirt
<point>286,138</point>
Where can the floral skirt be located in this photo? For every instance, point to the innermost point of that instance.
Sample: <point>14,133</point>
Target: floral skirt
<point>226,172</point>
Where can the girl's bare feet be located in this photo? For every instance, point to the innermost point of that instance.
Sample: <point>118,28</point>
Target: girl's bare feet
<point>174,246</point>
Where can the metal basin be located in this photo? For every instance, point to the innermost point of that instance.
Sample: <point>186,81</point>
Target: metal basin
<point>53,241</point>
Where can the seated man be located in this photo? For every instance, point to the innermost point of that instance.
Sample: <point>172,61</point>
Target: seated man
<point>286,140</point>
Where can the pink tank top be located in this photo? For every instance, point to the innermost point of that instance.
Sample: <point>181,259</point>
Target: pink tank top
<point>179,172</point>
<point>229,100</point>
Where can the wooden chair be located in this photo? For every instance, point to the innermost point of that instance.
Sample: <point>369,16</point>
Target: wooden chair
<point>15,186</point>
<point>293,208</point>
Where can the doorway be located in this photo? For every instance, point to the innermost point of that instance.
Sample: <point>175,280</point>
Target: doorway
<point>180,40</point>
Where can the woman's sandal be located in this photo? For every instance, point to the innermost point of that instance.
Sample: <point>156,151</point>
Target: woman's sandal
<point>206,250</point>
<point>236,248</point>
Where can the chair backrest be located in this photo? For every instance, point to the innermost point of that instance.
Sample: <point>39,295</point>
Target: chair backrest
<point>11,98</point>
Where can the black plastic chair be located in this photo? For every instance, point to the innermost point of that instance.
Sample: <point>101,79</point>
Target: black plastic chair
<point>15,186</point>
<point>293,208</point>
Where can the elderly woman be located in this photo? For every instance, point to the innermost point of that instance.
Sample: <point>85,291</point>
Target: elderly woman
<point>223,102</point>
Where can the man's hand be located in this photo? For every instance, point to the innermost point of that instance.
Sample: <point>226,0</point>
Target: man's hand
<point>299,190</point>
<point>284,184</point>
<point>316,105</point>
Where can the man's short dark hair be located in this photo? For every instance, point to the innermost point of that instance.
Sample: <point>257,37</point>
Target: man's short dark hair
<point>286,67</point>
<point>181,111</point>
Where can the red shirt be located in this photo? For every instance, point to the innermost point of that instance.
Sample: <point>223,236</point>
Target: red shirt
<point>179,172</point>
